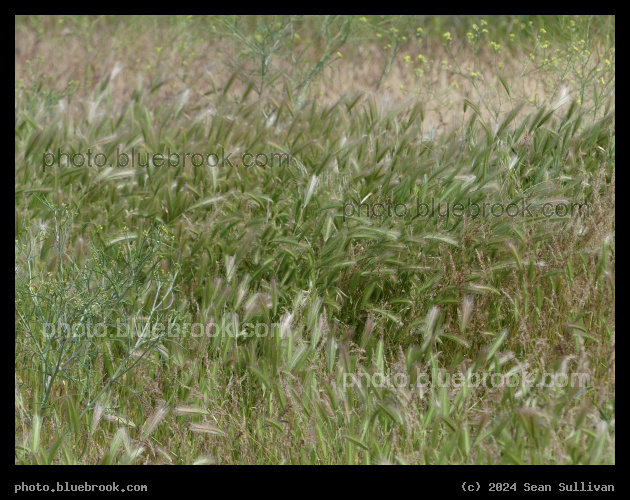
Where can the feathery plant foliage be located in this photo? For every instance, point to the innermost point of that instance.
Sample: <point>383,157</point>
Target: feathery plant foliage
<point>340,301</point>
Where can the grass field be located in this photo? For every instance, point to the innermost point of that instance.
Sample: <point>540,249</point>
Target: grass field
<point>342,240</point>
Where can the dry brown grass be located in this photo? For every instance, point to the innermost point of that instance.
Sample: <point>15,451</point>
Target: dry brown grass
<point>87,59</point>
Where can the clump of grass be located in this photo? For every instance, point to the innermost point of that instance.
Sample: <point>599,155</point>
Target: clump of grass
<point>344,302</point>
